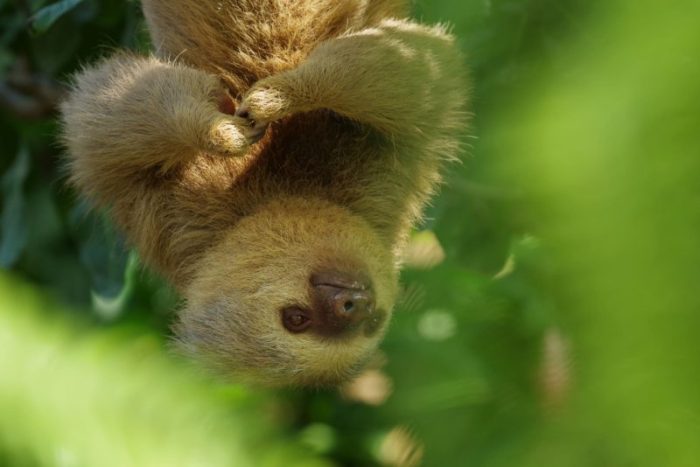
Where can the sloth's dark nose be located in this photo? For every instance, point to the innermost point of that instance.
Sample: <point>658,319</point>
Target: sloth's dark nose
<point>350,305</point>
<point>343,301</point>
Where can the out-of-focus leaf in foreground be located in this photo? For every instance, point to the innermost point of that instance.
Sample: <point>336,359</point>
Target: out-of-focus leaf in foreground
<point>68,397</point>
<point>608,145</point>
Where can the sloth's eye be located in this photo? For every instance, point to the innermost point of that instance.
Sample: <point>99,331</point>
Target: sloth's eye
<point>296,319</point>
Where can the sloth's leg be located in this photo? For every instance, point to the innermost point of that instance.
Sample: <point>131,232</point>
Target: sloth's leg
<point>402,78</point>
<point>131,115</point>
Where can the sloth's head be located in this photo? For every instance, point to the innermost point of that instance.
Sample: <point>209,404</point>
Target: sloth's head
<point>298,293</point>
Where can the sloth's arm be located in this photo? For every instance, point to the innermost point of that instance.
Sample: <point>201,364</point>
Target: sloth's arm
<point>402,78</point>
<point>135,128</point>
<point>130,118</point>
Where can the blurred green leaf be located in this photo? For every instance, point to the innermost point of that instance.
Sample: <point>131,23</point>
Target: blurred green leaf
<point>11,27</point>
<point>109,305</point>
<point>47,16</point>
<point>56,47</point>
<point>13,232</point>
<point>104,255</point>
<point>109,398</point>
<point>6,59</point>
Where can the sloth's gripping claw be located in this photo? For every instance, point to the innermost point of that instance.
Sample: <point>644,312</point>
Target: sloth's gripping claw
<point>254,129</point>
<point>266,102</point>
<point>232,133</point>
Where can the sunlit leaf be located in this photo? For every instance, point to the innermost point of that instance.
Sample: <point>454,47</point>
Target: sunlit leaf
<point>423,251</point>
<point>109,307</point>
<point>437,325</point>
<point>104,254</point>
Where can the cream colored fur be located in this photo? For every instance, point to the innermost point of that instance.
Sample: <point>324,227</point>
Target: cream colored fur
<point>362,110</point>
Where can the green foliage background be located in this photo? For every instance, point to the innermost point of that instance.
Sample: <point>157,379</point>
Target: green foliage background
<point>560,330</point>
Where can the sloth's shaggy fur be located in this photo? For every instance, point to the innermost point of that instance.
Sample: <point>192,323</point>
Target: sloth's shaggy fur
<point>363,107</point>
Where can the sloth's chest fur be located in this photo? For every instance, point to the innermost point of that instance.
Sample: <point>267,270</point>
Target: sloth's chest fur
<point>314,154</point>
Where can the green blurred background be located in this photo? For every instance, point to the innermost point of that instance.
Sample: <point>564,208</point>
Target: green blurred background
<point>550,312</point>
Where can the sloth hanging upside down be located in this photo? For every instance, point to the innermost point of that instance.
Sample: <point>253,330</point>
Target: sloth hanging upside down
<point>270,160</point>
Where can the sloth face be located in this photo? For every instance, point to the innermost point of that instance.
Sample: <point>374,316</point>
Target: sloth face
<point>298,293</point>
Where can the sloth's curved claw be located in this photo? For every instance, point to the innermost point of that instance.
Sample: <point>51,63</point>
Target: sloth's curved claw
<point>264,104</point>
<point>232,136</point>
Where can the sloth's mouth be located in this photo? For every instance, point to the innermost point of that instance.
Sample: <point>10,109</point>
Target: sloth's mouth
<point>374,323</point>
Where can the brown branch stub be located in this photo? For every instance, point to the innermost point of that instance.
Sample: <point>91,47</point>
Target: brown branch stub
<point>29,95</point>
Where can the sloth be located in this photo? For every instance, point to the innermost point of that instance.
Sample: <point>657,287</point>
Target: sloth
<point>269,158</point>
